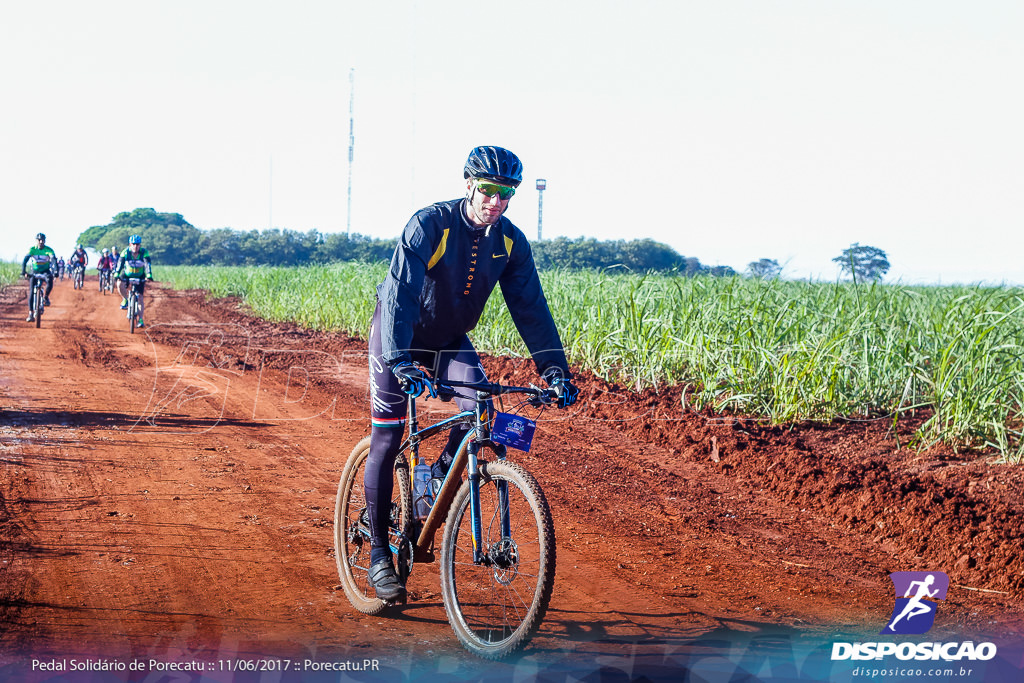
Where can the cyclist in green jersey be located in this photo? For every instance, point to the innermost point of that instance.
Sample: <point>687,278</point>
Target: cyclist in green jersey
<point>134,262</point>
<point>44,260</point>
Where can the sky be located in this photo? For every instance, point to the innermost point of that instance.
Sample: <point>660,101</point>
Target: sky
<point>732,130</point>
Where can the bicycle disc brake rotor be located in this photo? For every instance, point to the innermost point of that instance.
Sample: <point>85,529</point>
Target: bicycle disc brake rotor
<point>504,557</point>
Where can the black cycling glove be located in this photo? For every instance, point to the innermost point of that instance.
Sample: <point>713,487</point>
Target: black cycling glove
<point>413,379</point>
<point>565,390</point>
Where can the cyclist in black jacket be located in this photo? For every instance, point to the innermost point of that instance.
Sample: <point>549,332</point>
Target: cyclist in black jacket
<point>447,262</point>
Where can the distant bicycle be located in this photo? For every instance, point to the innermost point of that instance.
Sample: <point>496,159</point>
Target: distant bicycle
<point>37,296</point>
<point>78,276</point>
<point>106,282</point>
<point>498,547</point>
<point>135,305</point>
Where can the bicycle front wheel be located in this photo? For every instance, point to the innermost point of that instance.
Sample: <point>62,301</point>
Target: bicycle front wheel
<point>352,526</point>
<point>40,298</point>
<point>495,605</point>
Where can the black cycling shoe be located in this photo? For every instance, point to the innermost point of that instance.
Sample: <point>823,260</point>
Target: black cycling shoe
<point>384,580</point>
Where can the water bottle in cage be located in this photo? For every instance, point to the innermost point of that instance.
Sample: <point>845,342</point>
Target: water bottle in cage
<point>422,492</point>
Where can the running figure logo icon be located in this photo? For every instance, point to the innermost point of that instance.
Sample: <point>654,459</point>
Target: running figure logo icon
<point>917,596</point>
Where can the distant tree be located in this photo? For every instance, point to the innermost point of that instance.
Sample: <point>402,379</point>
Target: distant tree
<point>173,241</point>
<point>692,266</point>
<point>168,237</point>
<point>863,263</point>
<point>344,247</point>
<point>766,269</point>
<point>721,271</point>
<point>642,255</point>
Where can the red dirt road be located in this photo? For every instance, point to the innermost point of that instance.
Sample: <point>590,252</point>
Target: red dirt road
<point>168,498</point>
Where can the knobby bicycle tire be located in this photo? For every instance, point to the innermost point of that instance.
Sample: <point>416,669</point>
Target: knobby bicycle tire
<point>38,301</point>
<point>495,609</point>
<point>351,531</point>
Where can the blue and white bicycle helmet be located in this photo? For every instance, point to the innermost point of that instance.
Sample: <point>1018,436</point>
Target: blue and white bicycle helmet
<point>135,239</point>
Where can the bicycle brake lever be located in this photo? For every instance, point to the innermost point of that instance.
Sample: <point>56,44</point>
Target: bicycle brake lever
<point>544,397</point>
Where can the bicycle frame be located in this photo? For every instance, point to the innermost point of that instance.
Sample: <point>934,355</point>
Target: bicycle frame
<point>134,301</point>
<point>468,449</point>
<point>38,294</point>
<point>497,549</point>
<point>467,457</point>
<point>39,285</point>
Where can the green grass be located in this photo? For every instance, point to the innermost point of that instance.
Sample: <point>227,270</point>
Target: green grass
<point>787,351</point>
<point>9,273</point>
<point>334,297</point>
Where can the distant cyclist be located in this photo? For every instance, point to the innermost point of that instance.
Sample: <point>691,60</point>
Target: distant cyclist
<point>105,265</point>
<point>447,262</point>
<point>44,260</point>
<point>79,259</point>
<point>134,263</point>
<point>60,267</point>
<point>114,256</point>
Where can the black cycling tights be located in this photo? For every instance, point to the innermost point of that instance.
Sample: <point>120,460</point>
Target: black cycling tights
<point>459,362</point>
<point>31,285</point>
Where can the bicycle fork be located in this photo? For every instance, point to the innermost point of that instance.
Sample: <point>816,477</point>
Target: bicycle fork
<point>482,555</point>
<point>479,556</point>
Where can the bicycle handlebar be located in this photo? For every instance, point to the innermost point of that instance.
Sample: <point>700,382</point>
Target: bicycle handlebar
<point>538,397</point>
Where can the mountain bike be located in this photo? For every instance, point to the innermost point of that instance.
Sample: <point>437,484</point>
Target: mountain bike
<point>37,296</point>
<point>498,546</point>
<point>78,276</point>
<point>134,303</point>
<point>106,283</point>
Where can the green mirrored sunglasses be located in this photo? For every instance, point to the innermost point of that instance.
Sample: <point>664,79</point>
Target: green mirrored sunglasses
<point>491,189</point>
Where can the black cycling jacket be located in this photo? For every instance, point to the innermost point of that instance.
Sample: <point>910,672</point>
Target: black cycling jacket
<point>442,273</point>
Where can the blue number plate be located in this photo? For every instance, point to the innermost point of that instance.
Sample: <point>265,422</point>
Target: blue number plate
<point>513,430</point>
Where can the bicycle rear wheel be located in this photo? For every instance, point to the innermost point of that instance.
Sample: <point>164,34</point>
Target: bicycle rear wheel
<point>352,528</point>
<point>496,606</point>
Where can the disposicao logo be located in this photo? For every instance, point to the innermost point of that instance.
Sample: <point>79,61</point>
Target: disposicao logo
<point>917,598</point>
<point>917,594</point>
